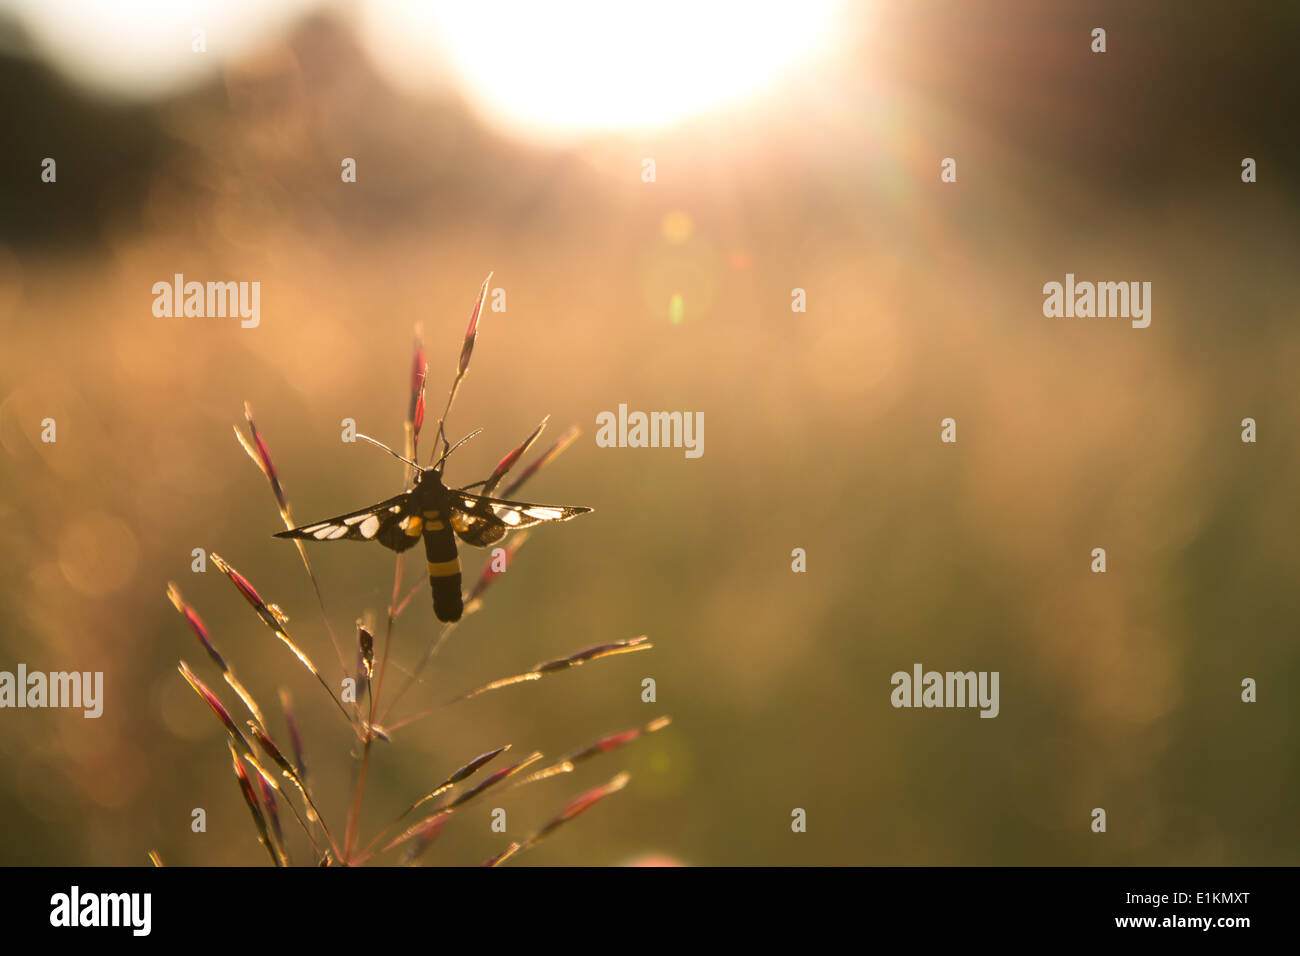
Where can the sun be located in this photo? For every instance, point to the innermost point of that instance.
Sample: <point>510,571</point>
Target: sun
<point>569,67</point>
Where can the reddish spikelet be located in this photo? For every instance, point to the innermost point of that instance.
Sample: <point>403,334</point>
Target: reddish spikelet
<point>415,410</point>
<point>271,750</point>
<point>213,702</point>
<point>578,806</point>
<point>545,458</point>
<point>471,767</point>
<point>462,365</point>
<point>492,781</point>
<point>416,830</point>
<point>604,745</point>
<point>512,457</point>
<point>594,653</point>
<point>463,773</point>
<point>261,455</point>
<point>418,422</point>
<point>245,588</point>
<point>504,855</point>
<point>419,367</point>
<point>471,331</point>
<point>271,615</point>
<point>282,762</point>
<point>423,840</point>
<point>250,797</point>
<point>196,625</point>
<point>614,741</point>
<point>585,801</point>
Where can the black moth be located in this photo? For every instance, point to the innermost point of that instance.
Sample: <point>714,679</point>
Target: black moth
<point>433,511</point>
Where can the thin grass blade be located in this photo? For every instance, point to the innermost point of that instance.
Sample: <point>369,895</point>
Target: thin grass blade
<point>604,745</point>
<point>462,364</point>
<point>563,663</point>
<point>576,807</point>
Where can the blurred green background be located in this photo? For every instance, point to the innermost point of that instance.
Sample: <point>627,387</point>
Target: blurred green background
<point>1119,691</point>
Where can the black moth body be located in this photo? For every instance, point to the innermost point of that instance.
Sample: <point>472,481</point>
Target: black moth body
<point>432,511</point>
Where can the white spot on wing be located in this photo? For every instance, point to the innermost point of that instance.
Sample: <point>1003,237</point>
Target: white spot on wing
<point>544,514</point>
<point>369,527</point>
<point>509,517</point>
<point>323,532</point>
<point>337,532</point>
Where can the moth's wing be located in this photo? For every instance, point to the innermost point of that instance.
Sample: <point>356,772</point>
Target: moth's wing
<point>517,514</point>
<point>479,527</point>
<point>392,523</point>
<point>402,534</point>
<point>481,521</point>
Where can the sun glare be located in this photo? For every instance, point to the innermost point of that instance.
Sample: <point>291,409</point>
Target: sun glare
<point>577,66</point>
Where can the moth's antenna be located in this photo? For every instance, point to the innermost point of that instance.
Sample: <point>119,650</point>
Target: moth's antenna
<point>476,431</point>
<point>390,451</point>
